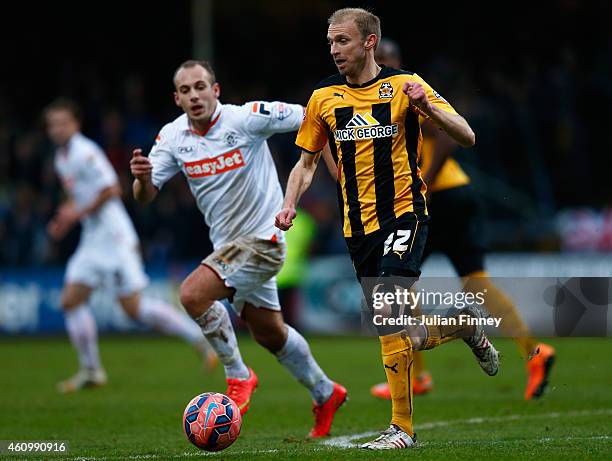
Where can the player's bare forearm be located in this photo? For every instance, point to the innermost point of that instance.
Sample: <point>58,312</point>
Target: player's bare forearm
<point>300,178</point>
<point>68,215</point>
<point>103,197</point>
<point>299,181</point>
<point>143,191</point>
<point>454,125</point>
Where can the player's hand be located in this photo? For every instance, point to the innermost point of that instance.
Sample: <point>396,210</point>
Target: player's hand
<point>140,166</point>
<point>284,219</point>
<point>53,230</point>
<point>418,97</point>
<point>65,218</point>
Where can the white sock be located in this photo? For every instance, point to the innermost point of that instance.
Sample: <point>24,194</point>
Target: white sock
<point>296,357</point>
<point>217,327</point>
<point>164,317</point>
<point>83,333</point>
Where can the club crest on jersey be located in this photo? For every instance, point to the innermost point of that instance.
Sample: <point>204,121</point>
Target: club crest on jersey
<point>230,138</point>
<point>364,126</point>
<point>385,91</point>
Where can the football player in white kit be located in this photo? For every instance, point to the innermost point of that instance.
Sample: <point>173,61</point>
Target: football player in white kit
<point>222,152</point>
<point>107,254</point>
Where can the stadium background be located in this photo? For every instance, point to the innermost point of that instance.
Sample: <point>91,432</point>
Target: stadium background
<point>533,78</point>
<point>533,85</point>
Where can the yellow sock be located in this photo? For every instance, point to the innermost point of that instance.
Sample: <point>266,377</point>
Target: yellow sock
<point>419,363</point>
<point>397,360</point>
<point>500,305</point>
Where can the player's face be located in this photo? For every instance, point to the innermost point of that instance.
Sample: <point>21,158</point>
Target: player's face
<point>61,126</point>
<point>195,93</point>
<point>347,47</point>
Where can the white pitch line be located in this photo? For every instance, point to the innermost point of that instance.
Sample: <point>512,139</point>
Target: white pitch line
<point>346,441</point>
<point>187,454</point>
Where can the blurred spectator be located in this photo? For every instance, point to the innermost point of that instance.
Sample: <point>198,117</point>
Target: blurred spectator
<point>585,229</point>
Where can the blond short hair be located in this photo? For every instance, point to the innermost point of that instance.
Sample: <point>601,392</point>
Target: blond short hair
<point>367,23</point>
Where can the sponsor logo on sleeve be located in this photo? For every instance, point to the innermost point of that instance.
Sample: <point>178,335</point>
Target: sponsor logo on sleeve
<point>261,109</point>
<point>216,165</point>
<point>437,95</point>
<point>284,111</point>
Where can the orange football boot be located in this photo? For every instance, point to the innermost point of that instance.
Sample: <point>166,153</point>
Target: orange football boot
<point>240,390</point>
<point>538,369</point>
<point>324,413</point>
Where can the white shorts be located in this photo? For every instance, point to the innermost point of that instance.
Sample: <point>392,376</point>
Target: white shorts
<point>249,265</point>
<point>119,269</point>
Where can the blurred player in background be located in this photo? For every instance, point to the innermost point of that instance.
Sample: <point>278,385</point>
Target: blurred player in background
<point>453,204</point>
<point>223,153</point>
<point>107,254</point>
<point>370,116</point>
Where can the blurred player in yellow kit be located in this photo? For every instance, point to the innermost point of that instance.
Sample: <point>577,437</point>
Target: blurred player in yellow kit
<point>453,203</point>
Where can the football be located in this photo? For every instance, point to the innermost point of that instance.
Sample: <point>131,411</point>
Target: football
<point>212,421</point>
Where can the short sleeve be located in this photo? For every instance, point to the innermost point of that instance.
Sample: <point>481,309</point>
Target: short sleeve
<point>264,119</point>
<point>162,159</point>
<point>434,97</point>
<point>97,170</point>
<point>312,136</point>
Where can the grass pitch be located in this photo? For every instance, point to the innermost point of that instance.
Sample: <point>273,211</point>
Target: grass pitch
<point>467,416</point>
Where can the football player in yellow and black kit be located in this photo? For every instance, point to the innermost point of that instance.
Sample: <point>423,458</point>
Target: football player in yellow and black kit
<point>370,117</point>
<point>454,204</point>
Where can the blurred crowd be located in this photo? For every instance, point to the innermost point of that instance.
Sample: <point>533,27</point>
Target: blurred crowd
<point>537,105</point>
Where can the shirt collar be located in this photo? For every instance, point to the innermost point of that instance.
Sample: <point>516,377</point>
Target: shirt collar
<point>186,125</point>
<point>384,70</point>
<point>65,150</point>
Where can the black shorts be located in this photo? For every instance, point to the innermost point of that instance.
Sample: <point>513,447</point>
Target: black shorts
<point>457,229</point>
<point>397,250</point>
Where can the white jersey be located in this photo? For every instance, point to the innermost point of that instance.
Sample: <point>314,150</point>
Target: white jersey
<point>85,171</point>
<point>229,168</point>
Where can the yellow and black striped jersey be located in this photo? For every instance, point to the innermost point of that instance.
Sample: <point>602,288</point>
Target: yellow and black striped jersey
<point>375,137</point>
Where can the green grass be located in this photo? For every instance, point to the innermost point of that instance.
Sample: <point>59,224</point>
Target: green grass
<point>138,415</point>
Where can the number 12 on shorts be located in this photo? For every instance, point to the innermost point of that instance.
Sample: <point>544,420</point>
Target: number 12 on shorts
<point>397,241</point>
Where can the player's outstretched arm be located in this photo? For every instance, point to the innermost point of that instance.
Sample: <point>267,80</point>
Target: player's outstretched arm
<point>143,189</point>
<point>299,181</point>
<point>68,214</point>
<point>454,124</point>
